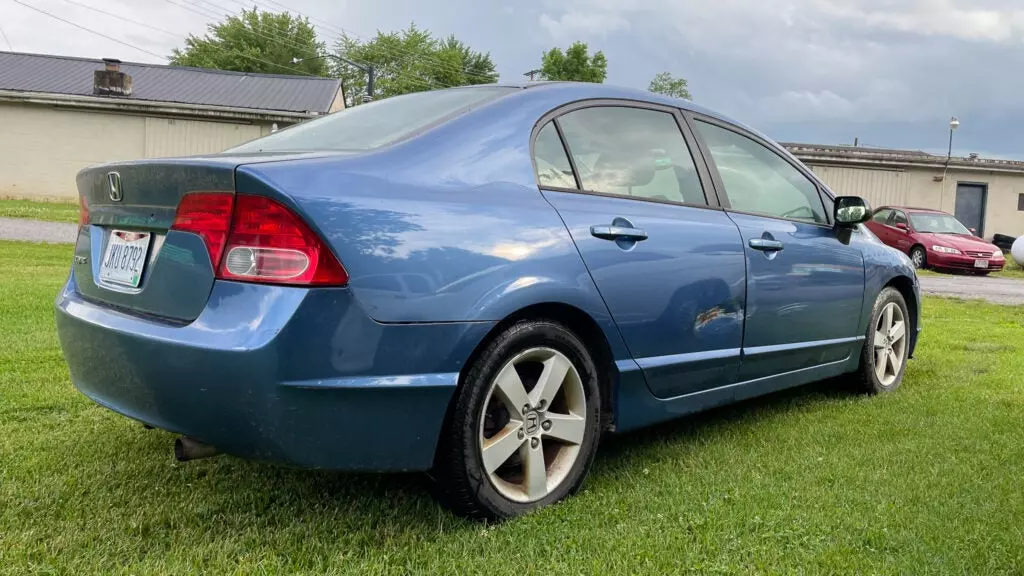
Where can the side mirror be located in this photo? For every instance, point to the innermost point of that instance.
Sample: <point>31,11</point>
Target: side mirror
<point>974,232</point>
<point>902,226</point>
<point>851,210</point>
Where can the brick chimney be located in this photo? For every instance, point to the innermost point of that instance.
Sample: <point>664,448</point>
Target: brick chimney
<point>111,81</point>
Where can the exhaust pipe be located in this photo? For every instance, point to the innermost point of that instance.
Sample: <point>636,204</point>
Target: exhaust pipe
<point>186,449</point>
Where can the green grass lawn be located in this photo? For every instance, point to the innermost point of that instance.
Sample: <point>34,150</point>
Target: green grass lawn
<point>51,211</point>
<point>928,480</point>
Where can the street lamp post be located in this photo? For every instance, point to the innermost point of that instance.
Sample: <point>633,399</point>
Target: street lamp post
<point>368,70</point>
<point>953,125</point>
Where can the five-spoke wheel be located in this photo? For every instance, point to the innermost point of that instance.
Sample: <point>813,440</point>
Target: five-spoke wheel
<point>525,423</point>
<point>884,358</point>
<point>533,424</point>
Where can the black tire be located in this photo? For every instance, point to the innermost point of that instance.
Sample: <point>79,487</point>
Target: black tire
<point>919,257</point>
<point>459,473</point>
<point>866,378</point>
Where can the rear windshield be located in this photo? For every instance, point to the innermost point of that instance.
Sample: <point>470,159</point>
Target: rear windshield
<point>374,124</point>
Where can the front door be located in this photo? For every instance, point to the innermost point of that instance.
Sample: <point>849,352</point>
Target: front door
<point>668,263</point>
<point>970,206</point>
<point>804,287</point>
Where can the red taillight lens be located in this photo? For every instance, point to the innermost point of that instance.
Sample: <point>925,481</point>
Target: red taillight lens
<point>207,214</point>
<point>269,243</point>
<point>83,211</point>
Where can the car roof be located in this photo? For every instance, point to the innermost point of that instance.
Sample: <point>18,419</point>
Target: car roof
<point>913,209</point>
<point>573,91</point>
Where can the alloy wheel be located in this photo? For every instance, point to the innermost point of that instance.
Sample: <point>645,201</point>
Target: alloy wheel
<point>890,343</point>
<point>533,423</point>
<point>917,257</point>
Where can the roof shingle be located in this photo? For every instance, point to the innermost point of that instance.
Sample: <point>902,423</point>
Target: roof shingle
<point>74,76</point>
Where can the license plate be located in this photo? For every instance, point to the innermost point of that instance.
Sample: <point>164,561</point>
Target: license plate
<point>125,257</point>
<point>981,263</point>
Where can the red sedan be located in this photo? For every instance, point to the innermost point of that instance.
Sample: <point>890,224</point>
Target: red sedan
<point>935,239</point>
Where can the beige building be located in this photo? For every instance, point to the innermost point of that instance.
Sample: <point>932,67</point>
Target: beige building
<point>987,195</point>
<point>59,115</point>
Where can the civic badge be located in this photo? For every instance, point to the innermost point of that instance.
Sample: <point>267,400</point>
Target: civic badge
<point>114,182</point>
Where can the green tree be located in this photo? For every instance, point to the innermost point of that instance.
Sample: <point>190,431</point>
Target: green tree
<point>665,83</point>
<point>574,64</point>
<point>256,41</point>
<point>411,60</point>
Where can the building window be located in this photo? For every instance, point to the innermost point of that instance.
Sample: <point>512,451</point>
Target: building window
<point>1020,202</point>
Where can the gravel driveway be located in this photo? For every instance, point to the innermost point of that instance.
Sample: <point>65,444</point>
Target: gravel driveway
<point>997,290</point>
<point>37,231</point>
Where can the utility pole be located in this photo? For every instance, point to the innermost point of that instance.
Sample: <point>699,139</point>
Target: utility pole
<point>532,73</point>
<point>368,70</point>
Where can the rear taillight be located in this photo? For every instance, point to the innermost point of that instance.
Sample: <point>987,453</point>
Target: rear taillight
<point>260,239</point>
<point>269,243</point>
<point>207,214</point>
<point>83,211</point>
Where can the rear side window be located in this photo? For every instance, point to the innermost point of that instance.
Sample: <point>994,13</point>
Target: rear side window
<point>632,152</point>
<point>553,167</point>
<point>374,124</point>
<point>882,216</point>
<point>760,181</point>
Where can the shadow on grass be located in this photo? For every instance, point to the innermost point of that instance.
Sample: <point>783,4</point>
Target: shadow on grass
<point>376,505</point>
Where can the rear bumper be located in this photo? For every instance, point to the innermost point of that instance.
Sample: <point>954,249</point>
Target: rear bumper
<point>291,375</point>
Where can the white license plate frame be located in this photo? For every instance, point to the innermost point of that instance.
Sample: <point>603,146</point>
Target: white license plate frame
<point>124,260</point>
<point>981,263</point>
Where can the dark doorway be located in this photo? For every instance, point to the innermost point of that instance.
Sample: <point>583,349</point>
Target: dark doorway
<point>970,205</point>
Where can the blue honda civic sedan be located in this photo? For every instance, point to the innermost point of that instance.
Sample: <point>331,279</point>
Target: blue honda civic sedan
<point>479,282</point>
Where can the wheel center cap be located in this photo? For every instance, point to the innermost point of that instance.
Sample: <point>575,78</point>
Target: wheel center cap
<point>531,421</point>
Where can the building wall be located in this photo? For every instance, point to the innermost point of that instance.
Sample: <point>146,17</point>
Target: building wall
<point>42,149</point>
<point>917,187</point>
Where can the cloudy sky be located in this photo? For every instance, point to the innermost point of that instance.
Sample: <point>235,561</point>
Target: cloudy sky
<point>819,71</point>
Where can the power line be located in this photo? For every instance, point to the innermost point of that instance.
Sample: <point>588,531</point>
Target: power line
<point>196,8</point>
<point>89,30</point>
<point>397,51</point>
<point>176,35</point>
<point>4,34</point>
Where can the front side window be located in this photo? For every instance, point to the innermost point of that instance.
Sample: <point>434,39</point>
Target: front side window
<point>760,181</point>
<point>632,152</point>
<point>882,216</point>
<point>375,124</point>
<point>899,218</point>
<point>553,168</point>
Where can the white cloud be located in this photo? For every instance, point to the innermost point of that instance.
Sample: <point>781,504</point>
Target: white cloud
<point>575,25</point>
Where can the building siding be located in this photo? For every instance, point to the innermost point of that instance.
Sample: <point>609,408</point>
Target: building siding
<point>878,186</point>
<point>42,149</point>
<point>917,187</point>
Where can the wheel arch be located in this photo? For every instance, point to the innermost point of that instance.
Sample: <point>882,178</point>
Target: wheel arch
<point>905,286</point>
<point>584,326</point>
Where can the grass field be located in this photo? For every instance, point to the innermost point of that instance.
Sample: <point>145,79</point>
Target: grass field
<point>50,211</point>
<point>813,481</point>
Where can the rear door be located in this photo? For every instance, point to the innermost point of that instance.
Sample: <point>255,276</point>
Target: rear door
<point>900,236</point>
<point>668,263</point>
<point>804,286</point>
<point>879,224</point>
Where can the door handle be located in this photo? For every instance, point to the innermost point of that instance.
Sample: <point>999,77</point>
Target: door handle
<point>618,233</point>
<point>765,245</point>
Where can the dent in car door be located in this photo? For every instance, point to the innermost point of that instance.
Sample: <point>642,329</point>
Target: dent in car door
<point>669,268</point>
<point>805,287</point>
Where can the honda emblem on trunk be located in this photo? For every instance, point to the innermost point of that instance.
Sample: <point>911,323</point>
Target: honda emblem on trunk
<point>114,180</point>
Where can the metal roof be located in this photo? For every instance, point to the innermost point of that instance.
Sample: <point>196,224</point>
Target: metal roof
<point>74,76</point>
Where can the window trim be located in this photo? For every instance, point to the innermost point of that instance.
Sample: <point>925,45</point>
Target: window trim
<point>711,197</point>
<point>693,117</point>
<point>877,210</point>
<point>892,218</point>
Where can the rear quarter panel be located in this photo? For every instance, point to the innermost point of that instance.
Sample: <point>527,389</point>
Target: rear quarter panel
<point>446,227</point>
